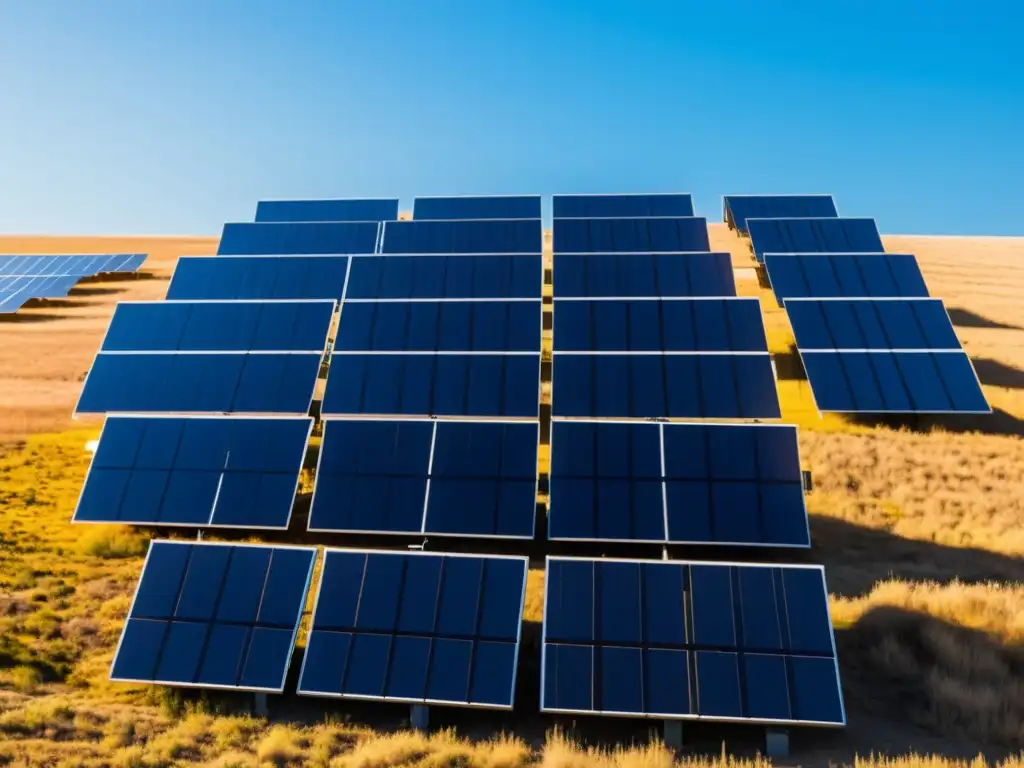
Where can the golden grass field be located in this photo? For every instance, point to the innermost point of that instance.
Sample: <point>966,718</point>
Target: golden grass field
<point>920,532</point>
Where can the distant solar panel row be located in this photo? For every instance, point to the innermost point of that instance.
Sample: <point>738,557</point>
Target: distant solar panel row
<point>653,325</point>
<point>258,277</point>
<point>326,210</point>
<point>77,265</point>
<point>813,235</point>
<point>477,207</point>
<point>874,324</point>
<point>616,206</point>
<point>594,275</point>
<point>452,478</point>
<point>684,483</point>
<point>630,235</point>
<point>299,238</point>
<point>503,236</point>
<point>15,292</point>
<point>853,275</point>
<point>491,276</point>
<point>216,472</point>
<point>739,208</point>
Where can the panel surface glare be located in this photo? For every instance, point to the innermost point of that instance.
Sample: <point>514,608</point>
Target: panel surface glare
<point>715,641</point>
<point>452,478</point>
<point>327,210</point>
<point>736,386</point>
<point>258,277</point>
<point>894,382</point>
<point>683,483</point>
<point>616,206</point>
<point>492,385</point>
<point>491,276</point>
<point>847,275</point>
<point>607,275</point>
<point>477,207</point>
<point>856,324</point>
<point>215,615</point>
<point>330,237</point>
<point>739,208</point>
<point>633,235</point>
<point>671,325</point>
<point>216,472</point>
<point>416,627</point>
<point>508,236</point>
<point>813,236</point>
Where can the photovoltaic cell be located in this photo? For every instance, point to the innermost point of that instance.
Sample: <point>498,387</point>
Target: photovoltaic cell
<point>215,615</point>
<point>197,472</point>
<point>616,206</point>
<point>882,324</point>
<point>848,275</point>
<point>697,385</point>
<point>326,210</point>
<point>416,627</point>
<point>631,235</point>
<point>477,207</point>
<point>739,208</point>
<point>375,384</point>
<point>671,325</point>
<point>832,235</point>
<point>607,275</point>
<point>511,276</point>
<point>509,236</point>
<point>681,640</point>
<point>283,238</point>
<point>448,478</point>
<point>258,277</point>
<point>726,484</point>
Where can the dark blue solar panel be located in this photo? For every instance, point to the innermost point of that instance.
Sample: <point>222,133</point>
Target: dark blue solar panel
<point>327,210</point>
<point>445,478</point>
<point>417,627</point>
<point>739,208</point>
<point>433,385</point>
<point>827,276</point>
<point>258,277</point>
<point>737,386</point>
<point>241,239</point>
<point>673,325</point>
<point>635,235</point>
<point>218,472</point>
<point>200,383</point>
<point>230,326</point>
<point>894,382</point>
<point>594,275</point>
<point>707,484</point>
<point>447,326</point>
<point>871,324</point>
<point>689,640</point>
<point>497,276</point>
<point>477,207</point>
<point>813,236</point>
<point>501,237</point>
<point>212,615</point>
<point>617,206</point>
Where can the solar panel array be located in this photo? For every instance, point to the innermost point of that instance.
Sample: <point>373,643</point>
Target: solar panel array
<point>23,278</point>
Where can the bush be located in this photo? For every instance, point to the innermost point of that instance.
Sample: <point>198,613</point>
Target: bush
<point>110,542</point>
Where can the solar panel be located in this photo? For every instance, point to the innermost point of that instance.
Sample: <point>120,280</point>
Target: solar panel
<point>686,640</point>
<point>736,209</point>
<point>505,236</point>
<point>448,478</point>
<point>209,472</point>
<point>215,615</point>
<point>875,324</point>
<point>511,276</point>
<point>631,235</point>
<point>430,384</point>
<point>80,265</point>
<point>219,326</point>
<point>416,627</point>
<point>326,210</point>
<point>445,326</point>
<point>615,206</point>
<point>813,236</point>
<point>894,382</point>
<point>606,275</point>
<point>727,484</point>
<point>848,275</point>
<point>693,385</point>
<point>477,207</point>
<point>15,292</point>
<point>652,325</point>
<point>258,277</point>
<point>300,238</point>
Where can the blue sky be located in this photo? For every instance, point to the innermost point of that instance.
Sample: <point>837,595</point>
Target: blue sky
<point>120,116</point>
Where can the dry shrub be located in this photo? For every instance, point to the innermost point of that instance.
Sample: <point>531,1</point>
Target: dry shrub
<point>235,732</point>
<point>386,750</point>
<point>278,747</point>
<point>112,541</point>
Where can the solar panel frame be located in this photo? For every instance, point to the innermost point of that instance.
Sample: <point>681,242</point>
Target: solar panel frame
<point>759,254</point>
<point>585,258</point>
<point>887,258</point>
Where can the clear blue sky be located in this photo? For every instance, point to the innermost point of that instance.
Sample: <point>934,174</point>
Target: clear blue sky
<point>137,116</point>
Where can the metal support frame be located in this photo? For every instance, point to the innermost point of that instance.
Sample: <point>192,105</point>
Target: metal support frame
<point>419,716</point>
<point>674,734</point>
<point>260,707</point>
<point>776,742</point>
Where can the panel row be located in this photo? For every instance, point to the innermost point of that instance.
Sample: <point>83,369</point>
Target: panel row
<point>871,324</point>
<point>476,207</point>
<point>15,292</point>
<point>852,275</point>
<point>276,238</point>
<point>600,275</point>
<point>77,265</point>
<point>327,210</point>
<point>736,209</point>
<point>488,276</point>
<point>619,206</point>
<point>503,236</point>
<point>258,277</point>
<point>813,235</point>
<point>631,235</point>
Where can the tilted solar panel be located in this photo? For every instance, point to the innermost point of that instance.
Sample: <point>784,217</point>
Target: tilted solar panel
<point>301,238</point>
<point>80,265</point>
<point>822,235</point>
<point>218,472</point>
<point>258,277</point>
<point>848,275</point>
<point>416,627</point>
<point>505,236</point>
<point>477,207</point>
<point>489,276</point>
<point>728,484</point>
<point>875,324</point>
<point>736,209</point>
<point>606,275</point>
<point>215,615</point>
<point>682,640</point>
<point>327,210</point>
<point>449,478</point>
<point>631,235</point>
<point>615,206</point>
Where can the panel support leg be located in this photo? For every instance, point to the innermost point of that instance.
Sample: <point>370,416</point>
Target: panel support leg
<point>674,734</point>
<point>259,705</point>
<point>419,716</point>
<point>776,742</point>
